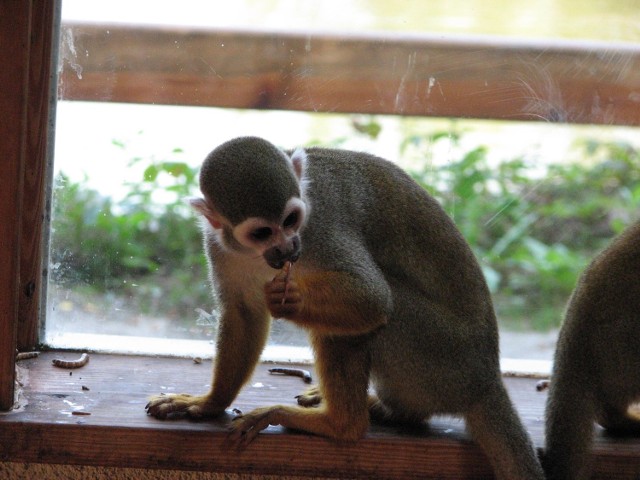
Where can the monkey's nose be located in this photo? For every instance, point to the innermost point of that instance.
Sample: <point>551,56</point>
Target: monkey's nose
<point>276,258</point>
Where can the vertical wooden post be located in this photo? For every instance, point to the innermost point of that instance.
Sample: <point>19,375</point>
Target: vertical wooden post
<point>36,173</point>
<point>24,100</point>
<point>15,19</point>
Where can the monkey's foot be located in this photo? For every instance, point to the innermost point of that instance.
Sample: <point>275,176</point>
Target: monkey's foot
<point>245,427</point>
<point>317,421</point>
<point>311,397</point>
<point>194,406</point>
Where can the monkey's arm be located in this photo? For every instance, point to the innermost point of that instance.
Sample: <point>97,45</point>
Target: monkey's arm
<point>242,334</point>
<point>331,302</point>
<point>339,308</point>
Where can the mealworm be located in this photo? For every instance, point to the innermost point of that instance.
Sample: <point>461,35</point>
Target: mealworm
<point>26,355</point>
<point>80,362</point>
<point>542,385</point>
<point>80,412</point>
<point>287,273</point>
<point>294,372</point>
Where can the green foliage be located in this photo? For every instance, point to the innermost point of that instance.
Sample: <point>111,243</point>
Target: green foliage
<point>368,126</point>
<point>534,229</point>
<point>139,246</point>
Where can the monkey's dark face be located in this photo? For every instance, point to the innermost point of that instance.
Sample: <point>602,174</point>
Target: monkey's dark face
<point>277,242</point>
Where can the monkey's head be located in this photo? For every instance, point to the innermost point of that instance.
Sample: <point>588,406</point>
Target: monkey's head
<point>254,198</point>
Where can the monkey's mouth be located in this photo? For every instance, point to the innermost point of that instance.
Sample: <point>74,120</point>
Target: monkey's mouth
<point>280,254</point>
<point>279,263</point>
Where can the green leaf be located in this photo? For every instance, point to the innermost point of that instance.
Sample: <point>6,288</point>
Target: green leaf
<point>151,173</point>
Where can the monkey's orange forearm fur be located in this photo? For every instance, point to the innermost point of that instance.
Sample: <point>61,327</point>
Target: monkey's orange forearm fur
<point>328,303</point>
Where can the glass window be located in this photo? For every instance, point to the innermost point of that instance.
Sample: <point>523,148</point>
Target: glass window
<point>535,199</point>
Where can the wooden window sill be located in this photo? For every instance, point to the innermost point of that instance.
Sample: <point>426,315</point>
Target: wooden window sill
<point>117,433</point>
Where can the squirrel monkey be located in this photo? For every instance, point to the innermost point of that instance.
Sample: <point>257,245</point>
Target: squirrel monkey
<point>597,359</point>
<point>386,286</point>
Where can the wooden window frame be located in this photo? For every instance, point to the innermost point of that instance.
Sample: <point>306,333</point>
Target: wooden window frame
<point>28,40</point>
<point>576,82</point>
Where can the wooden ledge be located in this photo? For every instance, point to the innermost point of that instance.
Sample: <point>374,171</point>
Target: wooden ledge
<point>117,433</point>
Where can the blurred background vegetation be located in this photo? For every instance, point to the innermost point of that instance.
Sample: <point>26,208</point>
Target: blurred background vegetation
<point>533,227</point>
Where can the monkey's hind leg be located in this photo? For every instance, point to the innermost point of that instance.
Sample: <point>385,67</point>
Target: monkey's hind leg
<point>343,367</point>
<point>494,424</point>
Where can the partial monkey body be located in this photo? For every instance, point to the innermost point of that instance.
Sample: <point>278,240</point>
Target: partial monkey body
<point>384,283</point>
<point>597,361</point>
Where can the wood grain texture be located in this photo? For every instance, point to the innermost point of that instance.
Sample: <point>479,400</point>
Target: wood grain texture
<point>574,82</point>
<point>117,432</point>
<point>14,58</point>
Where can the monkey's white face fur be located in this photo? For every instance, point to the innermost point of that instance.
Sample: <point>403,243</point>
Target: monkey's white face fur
<point>276,241</point>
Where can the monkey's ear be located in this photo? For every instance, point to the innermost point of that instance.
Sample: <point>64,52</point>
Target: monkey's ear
<point>206,210</point>
<point>299,162</point>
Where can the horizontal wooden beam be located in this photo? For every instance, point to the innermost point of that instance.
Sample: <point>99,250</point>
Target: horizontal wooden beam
<point>574,82</point>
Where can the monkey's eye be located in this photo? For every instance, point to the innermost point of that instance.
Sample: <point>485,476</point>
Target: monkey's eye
<point>291,219</point>
<point>260,234</point>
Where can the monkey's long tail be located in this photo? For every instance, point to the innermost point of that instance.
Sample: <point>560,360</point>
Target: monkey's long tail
<point>570,419</point>
<point>496,427</point>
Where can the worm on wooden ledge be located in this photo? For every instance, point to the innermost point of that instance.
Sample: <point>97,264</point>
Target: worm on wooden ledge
<point>287,275</point>
<point>542,385</point>
<point>26,355</point>
<point>294,372</point>
<point>80,362</point>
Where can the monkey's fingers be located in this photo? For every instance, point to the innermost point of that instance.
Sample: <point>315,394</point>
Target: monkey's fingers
<point>283,301</point>
<point>244,429</point>
<point>279,284</point>
<point>291,296</point>
<point>283,292</point>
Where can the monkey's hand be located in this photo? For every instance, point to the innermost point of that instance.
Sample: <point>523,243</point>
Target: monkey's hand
<point>329,302</point>
<point>194,406</point>
<point>283,295</point>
